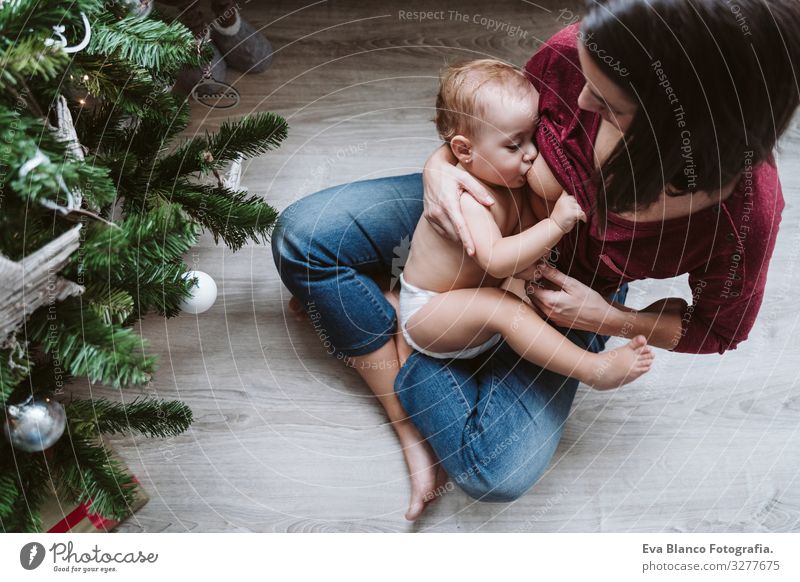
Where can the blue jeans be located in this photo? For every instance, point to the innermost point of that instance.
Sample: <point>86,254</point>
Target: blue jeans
<point>494,421</point>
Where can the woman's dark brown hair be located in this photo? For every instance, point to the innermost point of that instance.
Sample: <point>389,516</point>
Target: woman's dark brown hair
<point>716,83</point>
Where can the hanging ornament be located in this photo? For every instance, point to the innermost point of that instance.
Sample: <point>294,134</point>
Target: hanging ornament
<point>233,177</point>
<point>65,129</point>
<point>215,94</point>
<point>35,425</point>
<point>73,199</point>
<point>61,41</point>
<point>204,293</point>
<point>140,8</point>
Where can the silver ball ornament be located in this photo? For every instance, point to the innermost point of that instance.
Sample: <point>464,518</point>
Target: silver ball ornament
<point>138,7</point>
<point>35,424</point>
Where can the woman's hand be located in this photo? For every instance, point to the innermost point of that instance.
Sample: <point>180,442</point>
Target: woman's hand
<point>570,303</point>
<point>444,183</point>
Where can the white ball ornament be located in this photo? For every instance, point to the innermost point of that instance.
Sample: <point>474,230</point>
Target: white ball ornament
<point>204,293</point>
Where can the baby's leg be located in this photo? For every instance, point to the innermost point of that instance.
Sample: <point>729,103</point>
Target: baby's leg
<point>468,317</point>
<point>517,287</point>
<point>379,370</point>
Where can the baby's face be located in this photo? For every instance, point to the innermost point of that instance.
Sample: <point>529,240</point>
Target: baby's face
<point>505,150</point>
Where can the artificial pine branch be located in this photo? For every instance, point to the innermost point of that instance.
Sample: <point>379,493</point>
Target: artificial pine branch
<point>145,256</point>
<point>159,288</point>
<point>86,346</point>
<point>27,59</point>
<point>9,492</point>
<point>162,235</point>
<point>111,305</point>
<point>22,18</point>
<point>150,417</point>
<point>144,42</point>
<point>247,137</point>
<point>89,474</point>
<point>234,216</point>
<point>130,268</point>
<point>169,116</point>
<point>100,79</point>
<point>32,480</point>
<point>56,173</point>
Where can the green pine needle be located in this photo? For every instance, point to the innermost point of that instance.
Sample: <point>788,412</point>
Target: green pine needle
<point>144,42</point>
<point>150,417</point>
<point>248,137</point>
<point>86,346</point>
<point>9,492</point>
<point>89,474</point>
<point>151,205</point>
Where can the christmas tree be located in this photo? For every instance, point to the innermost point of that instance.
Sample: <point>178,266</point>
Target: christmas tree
<point>99,201</point>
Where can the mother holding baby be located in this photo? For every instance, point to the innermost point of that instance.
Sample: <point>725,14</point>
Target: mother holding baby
<point>660,117</point>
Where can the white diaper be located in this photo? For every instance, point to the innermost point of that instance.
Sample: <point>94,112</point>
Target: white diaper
<point>412,299</point>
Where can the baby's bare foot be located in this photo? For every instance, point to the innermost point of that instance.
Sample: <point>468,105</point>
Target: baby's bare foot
<point>622,365</point>
<point>422,468</point>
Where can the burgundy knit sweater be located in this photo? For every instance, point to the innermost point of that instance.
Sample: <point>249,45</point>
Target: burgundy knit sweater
<point>725,248</point>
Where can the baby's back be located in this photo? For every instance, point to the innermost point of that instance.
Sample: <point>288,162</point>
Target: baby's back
<point>439,264</point>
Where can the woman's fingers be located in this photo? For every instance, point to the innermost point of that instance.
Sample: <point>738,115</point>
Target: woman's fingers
<point>439,219</point>
<point>554,275</point>
<point>440,231</point>
<point>535,303</point>
<point>545,297</point>
<point>477,190</point>
<point>443,206</point>
<point>465,236</point>
<point>459,224</point>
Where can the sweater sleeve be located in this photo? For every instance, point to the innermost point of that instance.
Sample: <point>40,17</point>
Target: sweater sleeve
<point>728,292</point>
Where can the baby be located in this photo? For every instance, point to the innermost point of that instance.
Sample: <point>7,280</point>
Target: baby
<point>453,305</point>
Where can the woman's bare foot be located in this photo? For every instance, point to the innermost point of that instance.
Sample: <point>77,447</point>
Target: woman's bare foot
<point>423,468</point>
<point>443,485</point>
<point>297,309</point>
<point>620,366</point>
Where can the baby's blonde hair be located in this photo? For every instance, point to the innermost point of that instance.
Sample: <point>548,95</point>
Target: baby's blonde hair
<point>459,107</point>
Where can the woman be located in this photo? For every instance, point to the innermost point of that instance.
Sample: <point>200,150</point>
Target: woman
<point>660,117</point>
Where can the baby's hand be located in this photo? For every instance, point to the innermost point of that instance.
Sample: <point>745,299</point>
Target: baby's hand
<point>567,212</point>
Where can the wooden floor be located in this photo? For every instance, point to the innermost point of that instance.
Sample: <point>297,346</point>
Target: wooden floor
<point>286,439</point>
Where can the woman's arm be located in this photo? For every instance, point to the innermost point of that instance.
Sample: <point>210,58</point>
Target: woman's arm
<point>444,183</point>
<point>661,322</point>
<point>501,256</point>
<point>578,306</point>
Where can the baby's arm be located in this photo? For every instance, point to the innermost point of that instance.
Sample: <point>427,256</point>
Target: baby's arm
<point>502,257</point>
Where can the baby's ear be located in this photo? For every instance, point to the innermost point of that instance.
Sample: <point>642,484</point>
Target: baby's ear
<point>461,148</point>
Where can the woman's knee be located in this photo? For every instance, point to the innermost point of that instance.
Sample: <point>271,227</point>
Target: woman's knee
<point>294,232</point>
<point>336,225</point>
<point>496,486</point>
<point>418,373</point>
